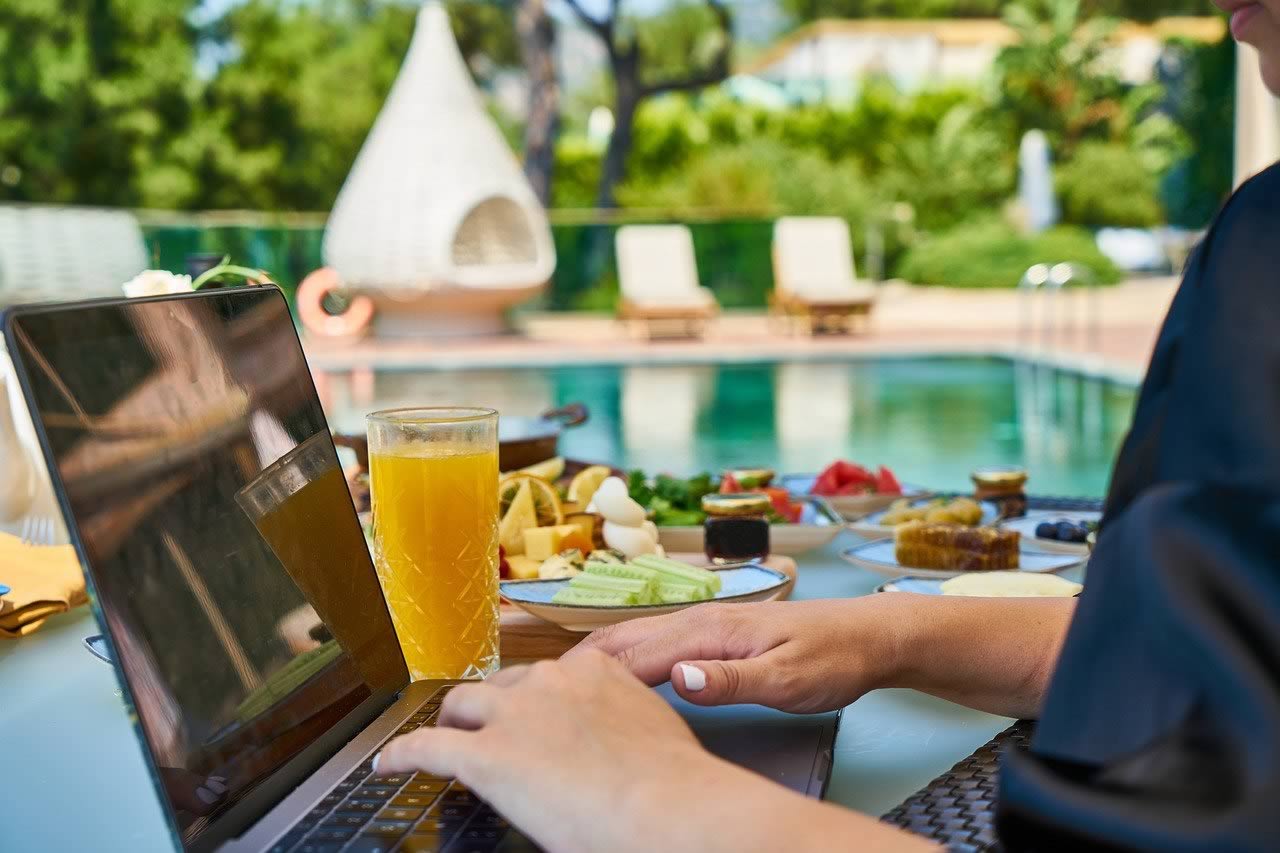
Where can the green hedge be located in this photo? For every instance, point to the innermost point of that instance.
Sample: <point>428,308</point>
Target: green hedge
<point>733,257</point>
<point>991,254</point>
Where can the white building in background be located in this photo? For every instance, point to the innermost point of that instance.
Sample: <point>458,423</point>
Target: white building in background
<point>828,59</point>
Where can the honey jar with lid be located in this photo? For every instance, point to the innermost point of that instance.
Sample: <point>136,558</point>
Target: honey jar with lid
<point>1003,485</point>
<point>737,527</point>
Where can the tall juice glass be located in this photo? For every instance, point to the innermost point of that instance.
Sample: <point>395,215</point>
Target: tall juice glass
<point>434,477</point>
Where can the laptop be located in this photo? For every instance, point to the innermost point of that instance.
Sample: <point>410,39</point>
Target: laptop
<point>230,575</point>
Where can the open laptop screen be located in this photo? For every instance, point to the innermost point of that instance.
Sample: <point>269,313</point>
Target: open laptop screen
<point>220,535</point>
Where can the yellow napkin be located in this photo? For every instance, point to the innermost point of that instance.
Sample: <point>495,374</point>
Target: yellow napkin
<point>45,581</point>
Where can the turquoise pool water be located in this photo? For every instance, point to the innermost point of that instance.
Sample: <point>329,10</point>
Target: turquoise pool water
<point>932,420</point>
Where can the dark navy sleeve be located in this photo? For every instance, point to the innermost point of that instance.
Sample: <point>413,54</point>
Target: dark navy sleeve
<point>1161,728</point>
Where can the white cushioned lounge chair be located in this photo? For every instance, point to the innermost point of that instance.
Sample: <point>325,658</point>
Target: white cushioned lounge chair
<point>658,278</point>
<point>814,278</point>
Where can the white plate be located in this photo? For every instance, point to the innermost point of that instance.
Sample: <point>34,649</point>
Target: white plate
<point>851,507</point>
<point>879,557</point>
<point>1027,527</point>
<point>818,526</point>
<point>751,582</point>
<point>871,528</point>
<point>912,583</point>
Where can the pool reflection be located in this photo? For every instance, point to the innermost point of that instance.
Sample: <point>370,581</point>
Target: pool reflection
<point>933,420</point>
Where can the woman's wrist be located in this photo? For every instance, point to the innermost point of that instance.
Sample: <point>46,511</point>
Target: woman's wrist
<point>993,654</point>
<point>883,643</point>
<point>671,800</point>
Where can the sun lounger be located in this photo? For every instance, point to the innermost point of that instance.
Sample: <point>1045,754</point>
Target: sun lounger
<point>49,252</point>
<point>658,277</point>
<point>814,278</point>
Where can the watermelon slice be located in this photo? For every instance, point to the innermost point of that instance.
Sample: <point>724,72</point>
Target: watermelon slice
<point>828,482</point>
<point>886,482</point>
<point>850,473</point>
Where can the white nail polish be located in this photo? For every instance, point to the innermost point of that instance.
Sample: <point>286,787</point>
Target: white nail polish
<point>222,779</point>
<point>694,678</point>
<point>214,785</point>
<point>206,796</point>
<point>376,757</point>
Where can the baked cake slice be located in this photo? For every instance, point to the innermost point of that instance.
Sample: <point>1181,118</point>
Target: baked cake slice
<point>955,548</point>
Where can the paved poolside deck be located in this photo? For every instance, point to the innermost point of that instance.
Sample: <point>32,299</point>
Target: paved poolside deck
<point>908,321</point>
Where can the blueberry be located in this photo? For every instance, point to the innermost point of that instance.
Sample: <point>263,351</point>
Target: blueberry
<point>1066,531</point>
<point>1046,530</point>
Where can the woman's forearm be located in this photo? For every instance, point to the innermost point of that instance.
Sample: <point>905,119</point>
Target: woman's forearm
<point>712,805</point>
<point>993,654</point>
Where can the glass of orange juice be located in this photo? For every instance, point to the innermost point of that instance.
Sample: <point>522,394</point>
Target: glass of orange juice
<point>434,478</point>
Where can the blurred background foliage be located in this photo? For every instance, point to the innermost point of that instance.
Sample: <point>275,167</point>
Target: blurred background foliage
<point>157,104</point>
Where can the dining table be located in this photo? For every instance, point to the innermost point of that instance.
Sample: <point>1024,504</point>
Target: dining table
<point>74,776</point>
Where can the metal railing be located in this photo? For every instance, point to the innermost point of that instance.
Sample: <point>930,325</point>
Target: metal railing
<point>1069,308</point>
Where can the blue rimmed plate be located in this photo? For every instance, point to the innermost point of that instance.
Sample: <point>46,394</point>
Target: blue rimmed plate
<point>879,557</point>
<point>1026,526</point>
<point>871,526</point>
<point>751,582</point>
<point>933,586</point>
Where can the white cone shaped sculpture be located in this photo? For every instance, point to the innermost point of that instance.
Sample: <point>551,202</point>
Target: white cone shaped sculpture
<point>436,222</point>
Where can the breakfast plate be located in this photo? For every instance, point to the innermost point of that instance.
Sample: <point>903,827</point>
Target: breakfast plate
<point>879,557</point>
<point>933,586</point>
<point>750,582</point>
<point>912,583</point>
<point>1027,525</point>
<point>819,524</point>
<point>851,507</point>
<point>870,527</point>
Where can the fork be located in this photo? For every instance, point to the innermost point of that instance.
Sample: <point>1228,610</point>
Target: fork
<point>38,530</point>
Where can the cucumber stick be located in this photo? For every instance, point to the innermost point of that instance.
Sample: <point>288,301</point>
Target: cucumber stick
<point>680,570</point>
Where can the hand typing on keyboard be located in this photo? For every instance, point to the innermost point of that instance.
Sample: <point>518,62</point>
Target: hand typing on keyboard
<point>566,751</point>
<point>581,756</point>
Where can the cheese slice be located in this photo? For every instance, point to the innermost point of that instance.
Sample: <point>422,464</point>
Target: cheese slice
<point>1010,585</point>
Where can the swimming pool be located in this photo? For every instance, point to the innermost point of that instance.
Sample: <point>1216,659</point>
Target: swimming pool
<point>931,419</point>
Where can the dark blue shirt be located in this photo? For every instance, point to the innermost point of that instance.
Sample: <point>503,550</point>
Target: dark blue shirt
<point>1161,729</point>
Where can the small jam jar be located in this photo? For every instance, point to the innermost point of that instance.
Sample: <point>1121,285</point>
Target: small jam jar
<point>753,478</point>
<point>737,527</point>
<point>1004,486</point>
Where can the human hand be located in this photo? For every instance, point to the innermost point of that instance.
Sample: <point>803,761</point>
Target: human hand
<point>577,753</point>
<point>191,792</point>
<point>797,656</point>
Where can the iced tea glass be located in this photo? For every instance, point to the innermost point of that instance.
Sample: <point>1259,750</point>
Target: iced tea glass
<point>434,478</point>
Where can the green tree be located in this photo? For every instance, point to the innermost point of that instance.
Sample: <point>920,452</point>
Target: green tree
<point>288,114</point>
<point>683,50</point>
<point>1140,10</point>
<point>537,35</point>
<point>1053,78</point>
<point>95,101</point>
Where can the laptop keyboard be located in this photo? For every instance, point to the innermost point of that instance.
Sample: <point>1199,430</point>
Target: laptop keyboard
<point>406,813</point>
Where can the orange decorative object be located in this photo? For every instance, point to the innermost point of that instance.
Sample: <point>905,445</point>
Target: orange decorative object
<point>352,323</point>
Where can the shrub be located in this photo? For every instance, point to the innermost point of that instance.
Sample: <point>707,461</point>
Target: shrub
<point>991,254</point>
<point>1106,183</point>
<point>728,179</point>
<point>956,170</point>
<point>577,172</point>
